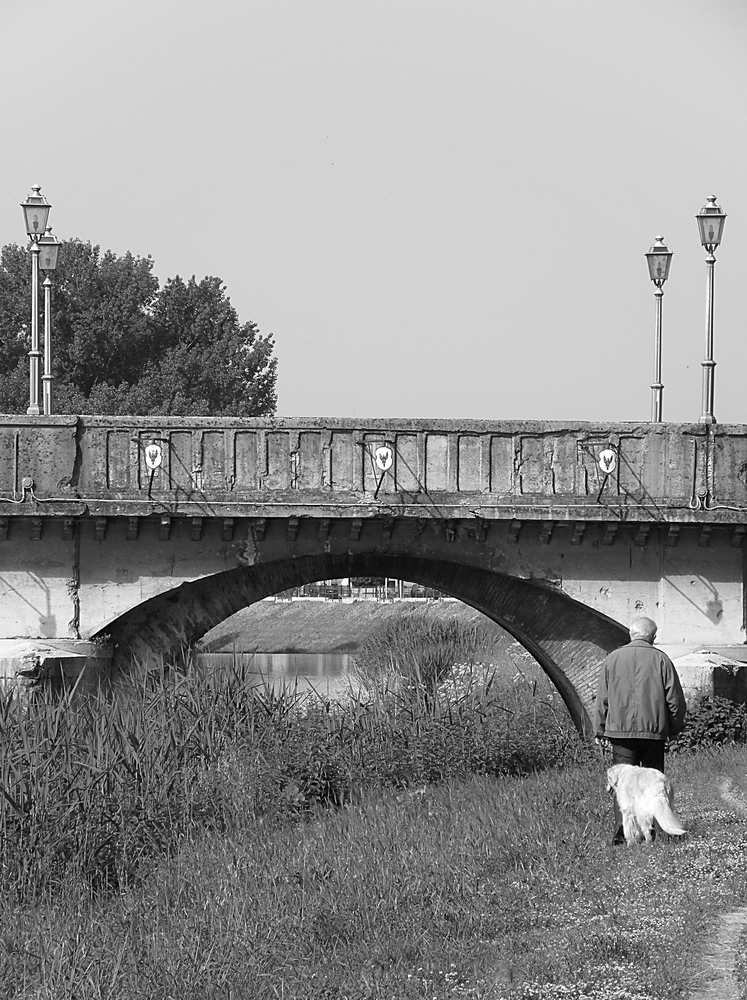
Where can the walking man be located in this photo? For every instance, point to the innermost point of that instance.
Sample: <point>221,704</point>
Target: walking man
<point>639,704</point>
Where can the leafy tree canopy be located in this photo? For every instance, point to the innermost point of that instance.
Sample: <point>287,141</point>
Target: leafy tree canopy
<point>123,345</point>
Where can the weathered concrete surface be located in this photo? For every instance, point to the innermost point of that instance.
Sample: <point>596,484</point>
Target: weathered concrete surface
<point>143,526</point>
<point>77,587</point>
<point>211,466</point>
<point>713,675</point>
<point>72,663</point>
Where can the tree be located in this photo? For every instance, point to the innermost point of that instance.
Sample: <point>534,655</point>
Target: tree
<point>122,345</point>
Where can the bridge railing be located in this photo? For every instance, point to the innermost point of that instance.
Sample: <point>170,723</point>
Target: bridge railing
<point>529,463</point>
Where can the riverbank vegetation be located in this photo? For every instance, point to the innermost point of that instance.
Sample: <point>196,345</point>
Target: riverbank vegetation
<point>198,836</point>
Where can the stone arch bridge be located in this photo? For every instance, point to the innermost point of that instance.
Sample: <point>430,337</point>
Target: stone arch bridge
<point>151,530</point>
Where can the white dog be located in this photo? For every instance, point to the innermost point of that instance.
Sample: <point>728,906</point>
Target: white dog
<point>644,795</point>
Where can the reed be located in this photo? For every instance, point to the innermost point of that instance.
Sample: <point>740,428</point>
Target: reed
<point>176,839</point>
<point>107,785</point>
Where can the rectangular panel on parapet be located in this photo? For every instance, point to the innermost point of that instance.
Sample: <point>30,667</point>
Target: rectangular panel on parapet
<point>642,466</point>
<point>152,457</point>
<point>679,456</point>
<point>309,462</point>
<point>341,471</point>
<point>10,473</point>
<point>472,474</point>
<point>245,462</point>
<point>379,462</point>
<point>407,464</point>
<point>502,464</point>
<point>213,460</point>
<point>437,463</point>
<point>181,462</point>
<point>46,454</point>
<point>95,473</point>
<point>277,474</point>
<point>118,461</point>
<point>565,472</point>
<point>548,463</point>
<point>730,467</point>
<point>535,464</point>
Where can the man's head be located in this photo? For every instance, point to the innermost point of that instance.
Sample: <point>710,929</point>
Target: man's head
<point>643,628</point>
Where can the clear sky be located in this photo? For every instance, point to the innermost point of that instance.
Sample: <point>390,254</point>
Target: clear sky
<point>438,207</point>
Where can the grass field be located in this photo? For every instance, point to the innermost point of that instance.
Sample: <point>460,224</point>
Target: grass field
<point>490,887</point>
<point>205,839</point>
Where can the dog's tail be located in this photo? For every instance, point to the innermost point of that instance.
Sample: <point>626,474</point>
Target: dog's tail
<point>665,816</point>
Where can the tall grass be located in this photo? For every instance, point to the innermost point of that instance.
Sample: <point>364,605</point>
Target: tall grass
<point>488,888</point>
<point>175,839</point>
<point>107,785</point>
<point>420,651</point>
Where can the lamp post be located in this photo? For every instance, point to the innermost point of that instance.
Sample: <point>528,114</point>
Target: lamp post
<point>35,212</point>
<point>659,259</point>
<point>711,224</point>
<point>49,248</point>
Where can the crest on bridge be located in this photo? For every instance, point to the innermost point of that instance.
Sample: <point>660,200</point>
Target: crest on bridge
<point>607,459</point>
<point>153,456</point>
<point>384,456</point>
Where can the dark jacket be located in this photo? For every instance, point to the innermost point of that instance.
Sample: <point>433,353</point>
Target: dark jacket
<point>639,695</point>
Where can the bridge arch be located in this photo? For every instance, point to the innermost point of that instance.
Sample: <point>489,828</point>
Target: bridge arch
<point>567,638</point>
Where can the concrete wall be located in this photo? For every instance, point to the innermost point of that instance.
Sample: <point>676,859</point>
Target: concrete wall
<point>625,519</point>
<point>666,471</point>
<point>56,587</point>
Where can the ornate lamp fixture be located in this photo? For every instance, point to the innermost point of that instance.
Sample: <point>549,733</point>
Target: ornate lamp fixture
<point>711,225</point>
<point>659,259</point>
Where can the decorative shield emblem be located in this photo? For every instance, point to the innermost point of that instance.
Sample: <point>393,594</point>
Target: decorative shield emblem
<point>153,456</point>
<point>607,461</point>
<point>384,457</point>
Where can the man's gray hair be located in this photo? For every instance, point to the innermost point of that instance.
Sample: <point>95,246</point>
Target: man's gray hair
<point>643,628</point>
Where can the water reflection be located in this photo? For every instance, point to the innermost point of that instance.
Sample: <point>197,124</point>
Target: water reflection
<point>327,673</point>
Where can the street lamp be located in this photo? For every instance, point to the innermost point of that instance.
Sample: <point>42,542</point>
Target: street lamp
<point>49,248</point>
<point>659,259</point>
<point>711,224</point>
<point>35,212</point>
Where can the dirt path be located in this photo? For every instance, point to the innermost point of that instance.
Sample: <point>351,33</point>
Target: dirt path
<point>720,980</point>
<point>718,971</point>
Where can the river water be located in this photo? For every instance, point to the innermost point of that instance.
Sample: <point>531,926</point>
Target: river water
<point>326,673</point>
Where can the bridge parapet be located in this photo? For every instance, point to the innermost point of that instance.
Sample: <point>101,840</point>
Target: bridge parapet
<point>114,466</point>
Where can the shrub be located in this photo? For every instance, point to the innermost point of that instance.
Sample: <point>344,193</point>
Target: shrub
<point>713,721</point>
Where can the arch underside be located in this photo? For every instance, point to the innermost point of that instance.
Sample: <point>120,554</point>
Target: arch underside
<point>567,638</point>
